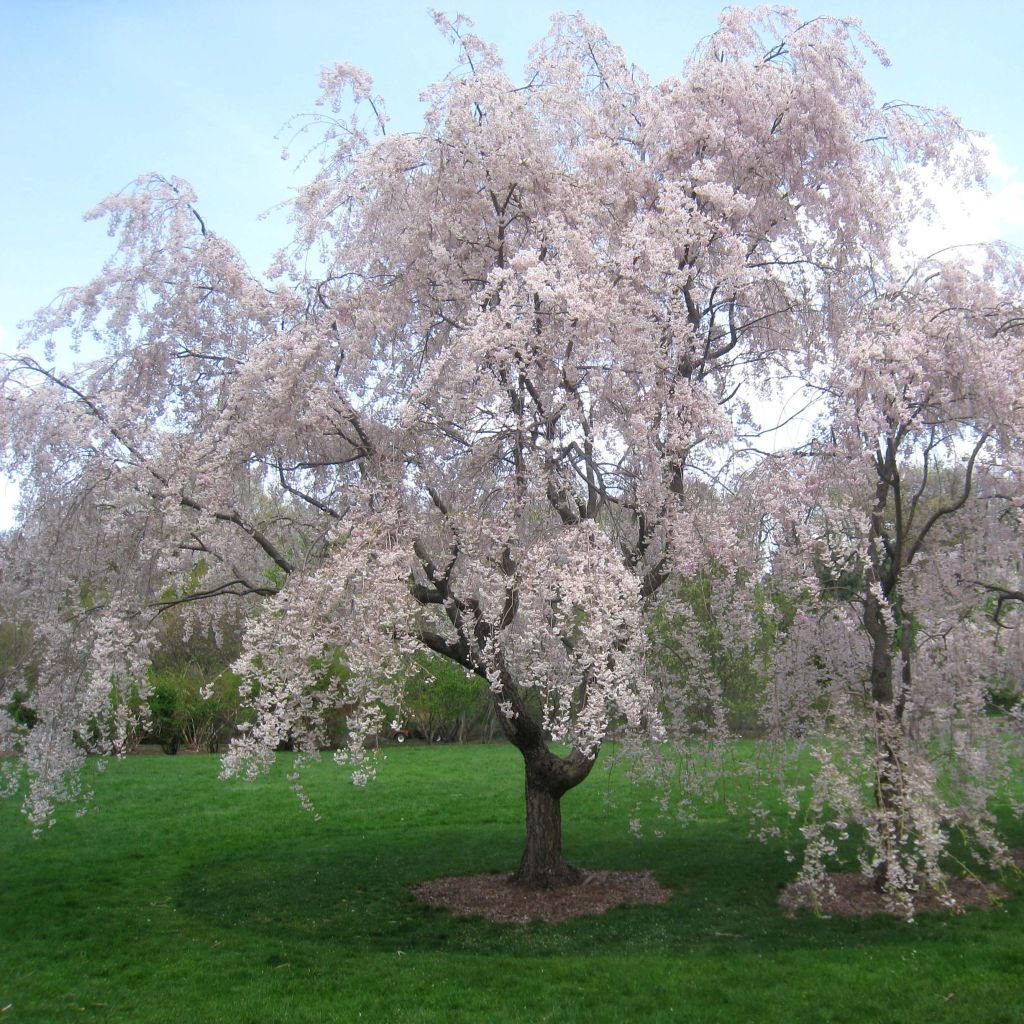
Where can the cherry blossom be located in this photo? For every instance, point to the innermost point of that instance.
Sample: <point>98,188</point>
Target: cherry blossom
<point>491,400</point>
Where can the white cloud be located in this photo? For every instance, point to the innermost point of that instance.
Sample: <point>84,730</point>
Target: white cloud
<point>969,217</point>
<point>8,501</point>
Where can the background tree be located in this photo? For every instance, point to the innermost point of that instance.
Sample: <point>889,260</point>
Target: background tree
<point>484,404</point>
<point>893,514</point>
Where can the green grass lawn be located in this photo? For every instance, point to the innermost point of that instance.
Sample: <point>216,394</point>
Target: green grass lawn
<point>183,898</point>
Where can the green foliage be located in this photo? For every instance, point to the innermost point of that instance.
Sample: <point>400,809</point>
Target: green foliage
<point>17,671</point>
<point>738,664</point>
<point>189,587</point>
<point>165,715</point>
<point>193,700</point>
<point>840,578</point>
<point>1004,697</point>
<point>189,707</point>
<point>20,711</point>
<point>440,703</point>
<point>444,705</point>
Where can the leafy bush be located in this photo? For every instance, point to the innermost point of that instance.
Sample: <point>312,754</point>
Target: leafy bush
<point>17,671</point>
<point>1004,698</point>
<point>710,640</point>
<point>444,705</point>
<point>190,708</point>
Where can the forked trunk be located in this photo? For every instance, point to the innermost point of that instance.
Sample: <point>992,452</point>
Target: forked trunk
<point>548,778</point>
<point>542,864</point>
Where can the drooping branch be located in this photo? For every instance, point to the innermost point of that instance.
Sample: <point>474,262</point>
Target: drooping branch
<point>947,510</point>
<point>230,588</point>
<point>268,546</point>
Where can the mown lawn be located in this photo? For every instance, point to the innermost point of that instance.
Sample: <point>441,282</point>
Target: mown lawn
<point>184,898</point>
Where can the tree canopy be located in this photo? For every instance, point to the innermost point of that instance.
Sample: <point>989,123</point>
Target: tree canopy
<point>501,392</point>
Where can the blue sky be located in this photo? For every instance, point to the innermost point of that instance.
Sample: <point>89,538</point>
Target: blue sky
<point>95,93</point>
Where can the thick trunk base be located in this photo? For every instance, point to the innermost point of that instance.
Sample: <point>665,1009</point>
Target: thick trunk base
<point>542,866</point>
<point>552,878</point>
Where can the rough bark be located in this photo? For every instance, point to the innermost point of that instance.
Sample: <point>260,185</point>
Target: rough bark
<point>881,653</point>
<point>548,778</point>
<point>542,864</point>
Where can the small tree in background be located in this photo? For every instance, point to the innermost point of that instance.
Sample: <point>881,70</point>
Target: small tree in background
<point>891,514</point>
<point>442,704</point>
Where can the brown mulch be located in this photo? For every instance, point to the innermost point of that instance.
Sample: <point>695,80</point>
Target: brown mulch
<point>855,896</point>
<point>494,897</point>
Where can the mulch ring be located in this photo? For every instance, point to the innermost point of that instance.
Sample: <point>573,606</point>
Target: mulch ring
<point>854,895</point>
<point>495,898</point>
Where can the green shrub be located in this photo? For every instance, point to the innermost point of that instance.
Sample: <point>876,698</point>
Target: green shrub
<point>444,705</point>
<point>190,708</point>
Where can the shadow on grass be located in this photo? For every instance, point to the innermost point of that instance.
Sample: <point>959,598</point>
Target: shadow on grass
<point>227,901</point>
<point>352,890</point>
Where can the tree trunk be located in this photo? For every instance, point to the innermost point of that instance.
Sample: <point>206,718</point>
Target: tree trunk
<point>542,865</point>
<point>889,799</point>
<point>887,765</point>
<point>548,778</point>
<point>881,653</point>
